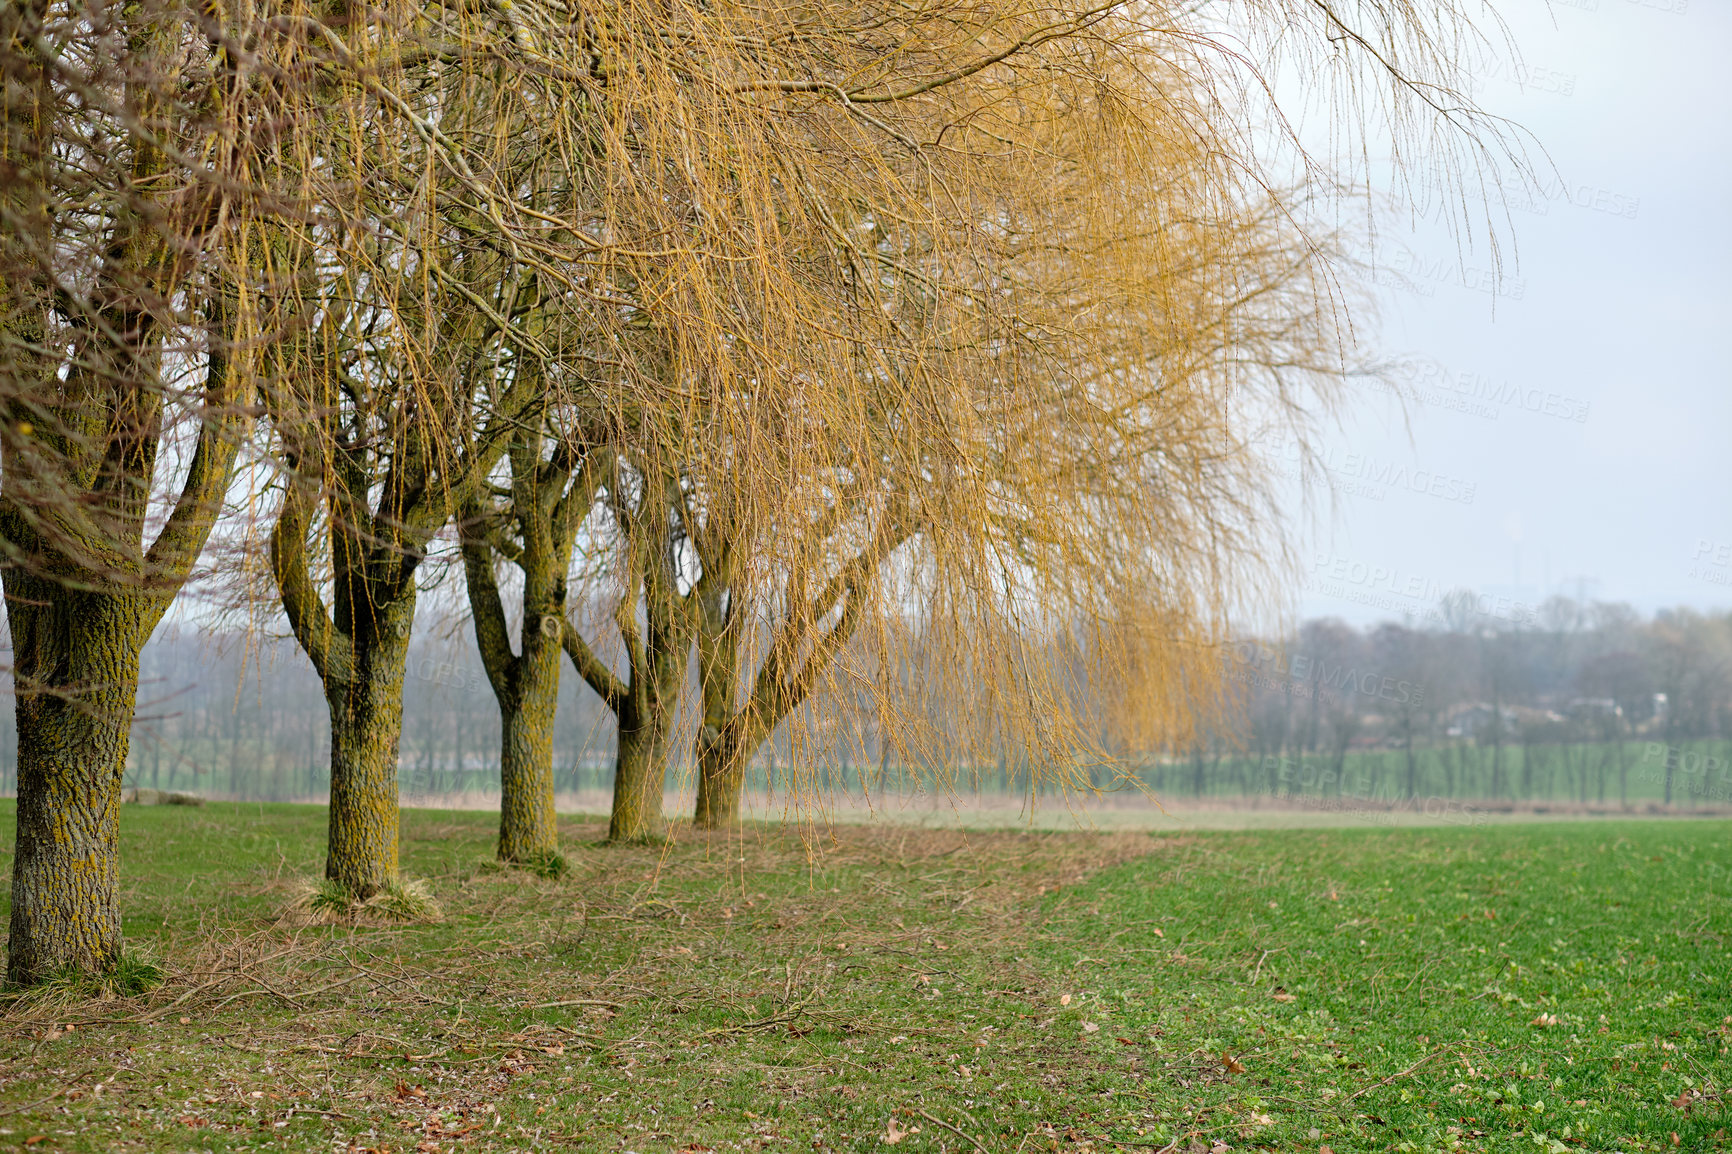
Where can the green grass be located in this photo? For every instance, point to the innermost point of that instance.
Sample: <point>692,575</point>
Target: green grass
<point>1378,987</point>
<point>1516,988</point>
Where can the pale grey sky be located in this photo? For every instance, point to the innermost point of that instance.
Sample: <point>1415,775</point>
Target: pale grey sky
<point>1576,438</point>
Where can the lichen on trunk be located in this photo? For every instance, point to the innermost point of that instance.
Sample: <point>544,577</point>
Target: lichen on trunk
<point>77,668</point>
<point>639,773</point>
<point>366,726</point>
<point>549,499</point>
<point>528,826</point>
<point>656,619</point>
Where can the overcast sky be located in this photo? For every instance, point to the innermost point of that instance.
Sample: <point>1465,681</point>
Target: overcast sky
<point>1569,428</point>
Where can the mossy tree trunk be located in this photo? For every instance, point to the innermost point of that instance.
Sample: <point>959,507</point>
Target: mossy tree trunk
<point>85,589</point>
<point>721,769</point>
<point>366,708</point>
<point>657,648</point>
<point>549,500</point>
<point>528,825</point>
<point>639,773</point>
<point>803,647</point>
<point>88,569</point>
<point>76,660</point>
<point>359,644</point>
<point>375,474</point>
<point>359,647</point>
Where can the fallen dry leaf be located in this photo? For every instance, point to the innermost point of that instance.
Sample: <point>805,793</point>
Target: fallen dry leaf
<point>1282,996</point>
<point>1545,1020</point>
<point>1234,1066</point>
<point>1064,1000</point>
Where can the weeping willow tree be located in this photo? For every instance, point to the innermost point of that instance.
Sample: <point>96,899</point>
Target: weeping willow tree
<point>431,267</point>
<point>1061,468</point>
<point>865,289</point>
<point>1075,301</point>
<point>988,308</point>
<point>131,206</point>
<point>554,475</point>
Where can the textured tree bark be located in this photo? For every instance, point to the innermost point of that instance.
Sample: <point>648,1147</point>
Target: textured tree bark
<point>528,827</point>
<point>366,725</point>
<point>79,614</point>
<point>638,776</point>
<point>549,499</point>
<point>721,766</point>
<point>721,781</point>
<point>76,659</point>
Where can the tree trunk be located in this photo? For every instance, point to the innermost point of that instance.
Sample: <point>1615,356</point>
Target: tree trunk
<point>638,776</point>
<point>366,726</point>
<point>721,755</point>
<point>721,779</point>
<point>528,827</point>
<point>525,684</point>
<point>77,670</point>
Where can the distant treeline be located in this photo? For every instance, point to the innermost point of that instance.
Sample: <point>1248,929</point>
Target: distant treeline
<point>1580,703</point>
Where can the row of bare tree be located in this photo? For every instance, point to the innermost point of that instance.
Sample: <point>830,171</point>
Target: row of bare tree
<point>1517,688</point>
<point>788,333</point>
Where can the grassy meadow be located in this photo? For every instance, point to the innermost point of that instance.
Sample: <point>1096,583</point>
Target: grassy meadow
<point>1529,988</point>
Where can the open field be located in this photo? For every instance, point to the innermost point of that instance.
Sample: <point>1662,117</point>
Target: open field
<point>1538,987</point>
<point>1123,809</point>
<point>1596,775</point>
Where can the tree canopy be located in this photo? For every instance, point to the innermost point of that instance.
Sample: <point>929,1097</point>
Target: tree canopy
<point>806,337</point>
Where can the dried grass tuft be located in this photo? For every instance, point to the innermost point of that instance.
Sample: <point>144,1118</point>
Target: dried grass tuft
<point>329,902</point>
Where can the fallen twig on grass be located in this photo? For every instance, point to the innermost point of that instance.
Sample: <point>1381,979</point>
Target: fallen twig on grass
<point>576,1002</point>
<point>293,1110</point>
<point>959,1133</point>
<point>1400,1073</point>
<point>266,991</point>
<point>760,1024</point>
<point>32,1105</point>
